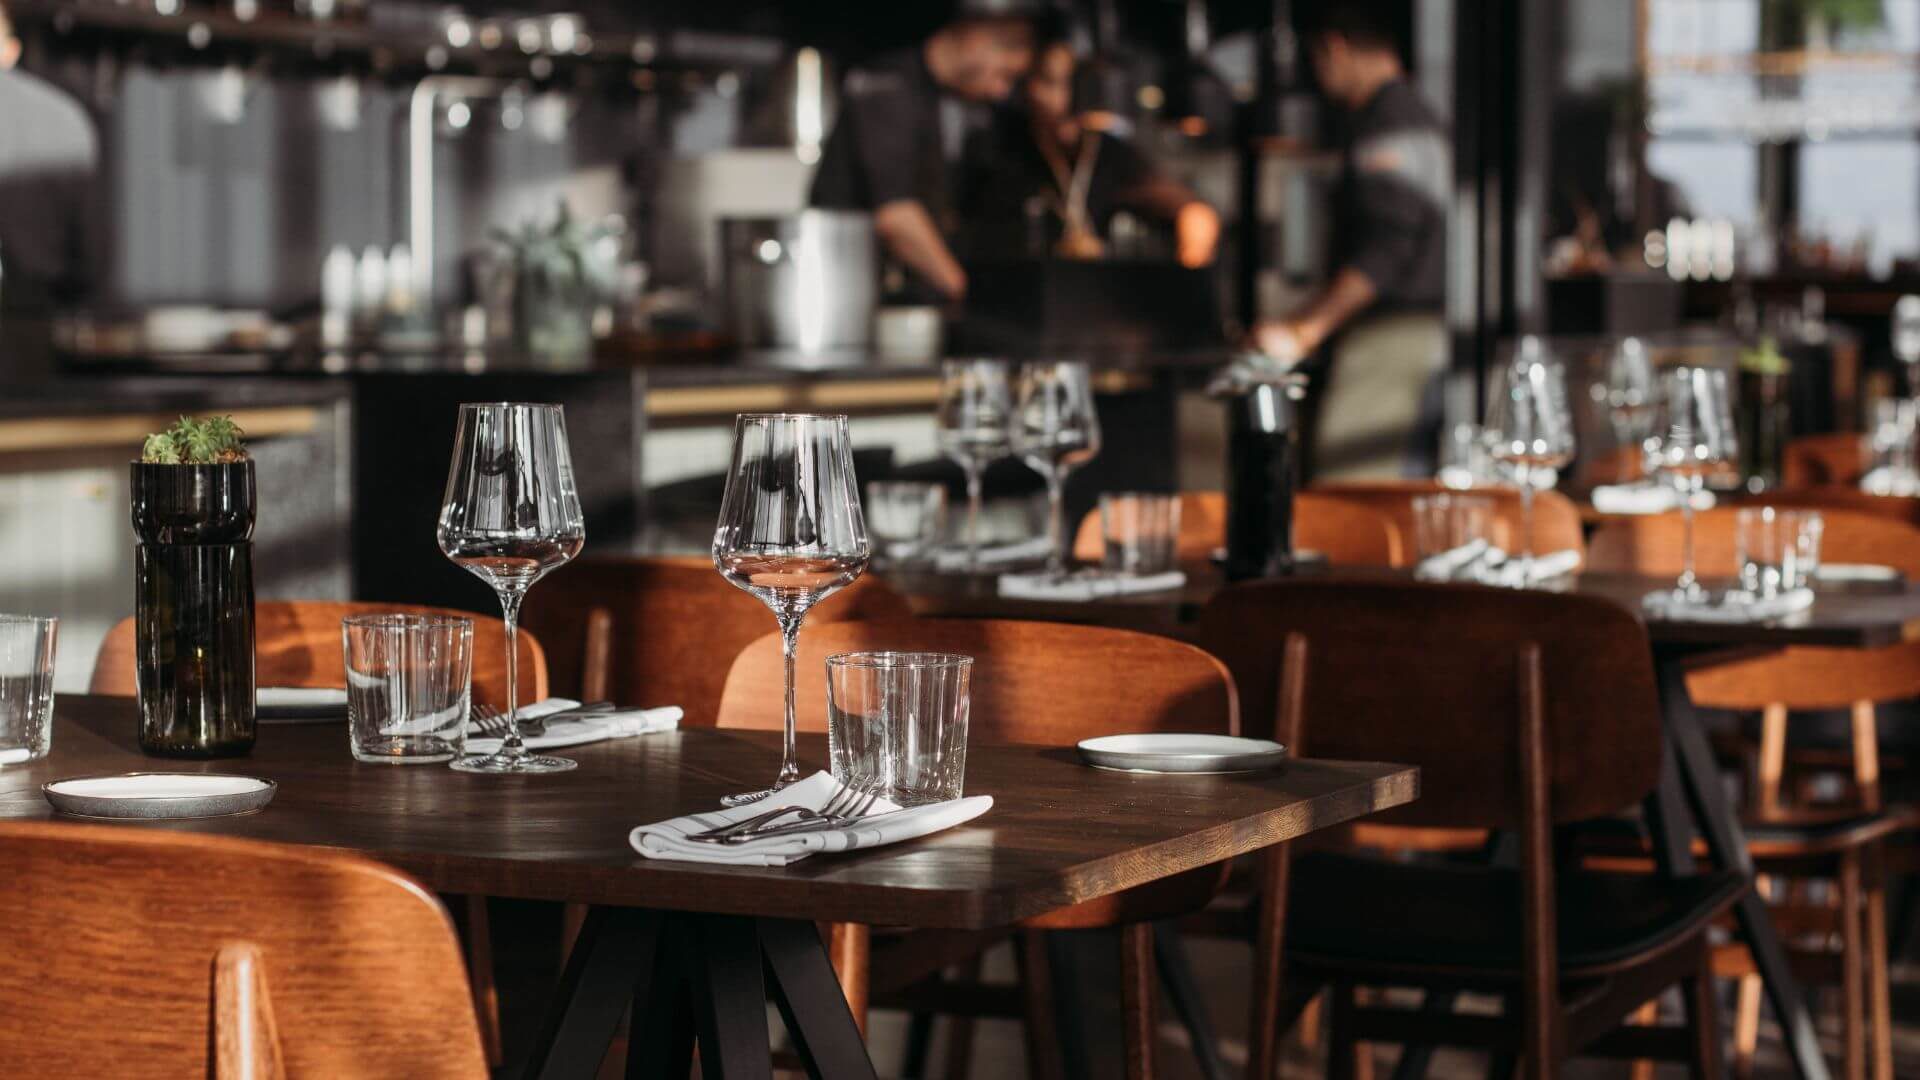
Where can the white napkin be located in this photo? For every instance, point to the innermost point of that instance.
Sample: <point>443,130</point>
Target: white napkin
<point>1842,572</point>
<point>1450,563</point>
<point>15,755</point>
<point>292,697</point>
<point>954,559</point>
<point>1887,480</point>
<point>1482,562</point>
<point>583,728</point>
<point>1729,608</point>
<point>1507,569</point>
<point>889,825</point>
<point>1087,585</point>
<point>1643,498</point>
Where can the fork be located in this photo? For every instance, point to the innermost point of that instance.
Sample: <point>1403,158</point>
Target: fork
<point>491,722</point>
<point>845,806</point>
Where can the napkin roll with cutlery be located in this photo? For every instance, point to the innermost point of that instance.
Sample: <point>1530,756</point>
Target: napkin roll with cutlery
<point>580,728</point>
<point>1087,585</point>
<point>1481,561</point>
<point>887,824</point>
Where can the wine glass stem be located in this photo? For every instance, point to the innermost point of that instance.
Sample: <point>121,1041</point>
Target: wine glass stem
<point>1056,526</point>
<point>790,648</point>
<point>973,517</point>
<point>510,599</point>
<point>1526,523</point>
<point>1687,580</point>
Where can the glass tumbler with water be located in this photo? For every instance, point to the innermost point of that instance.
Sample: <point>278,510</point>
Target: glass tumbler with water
<point>1777,551</point>
<point>897,723</point>
<point>26,687</point>
<point>1140,532</point>
<point>409,686</point>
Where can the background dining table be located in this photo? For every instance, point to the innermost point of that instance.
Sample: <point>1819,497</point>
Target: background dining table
<point>684,945</point>
<point>1690,799</point>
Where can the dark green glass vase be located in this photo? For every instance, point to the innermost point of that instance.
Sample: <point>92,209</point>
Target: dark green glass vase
<point>193,608</point>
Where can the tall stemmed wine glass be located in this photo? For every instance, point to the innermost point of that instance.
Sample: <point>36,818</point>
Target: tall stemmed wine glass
<point>790,532</point>
<point>1055,431</point>
<point>1529,427</point>
<point>976,407</point>
<point>1693,438</point>
<point>510,515</point>
<point>1629,397</point>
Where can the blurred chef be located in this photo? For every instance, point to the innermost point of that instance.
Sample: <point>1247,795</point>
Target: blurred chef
<point>48,154</point>
<point>1382,310</point>
<point>901,128</point>
<point>1045,159</point>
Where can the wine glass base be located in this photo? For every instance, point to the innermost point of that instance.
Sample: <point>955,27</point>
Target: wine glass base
<point>501,763</point>
<point>748,798</point>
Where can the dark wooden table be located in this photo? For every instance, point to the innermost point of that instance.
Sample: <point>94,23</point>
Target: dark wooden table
<point>1690,798</point>
<point>685,943</point>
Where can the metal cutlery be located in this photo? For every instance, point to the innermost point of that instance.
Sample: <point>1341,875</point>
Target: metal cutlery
<point>490,721</point>
<point>845,807</point>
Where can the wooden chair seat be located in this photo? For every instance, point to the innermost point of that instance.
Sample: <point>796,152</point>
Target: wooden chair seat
<point>1347,533</point>
<point>1347,911</point>
<point>1556,520</point>
<point>134,952</point>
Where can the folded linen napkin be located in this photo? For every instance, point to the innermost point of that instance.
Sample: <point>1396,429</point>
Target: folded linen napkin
<point>1454,562</point>
<point>1480,561</point>
<point>1087,585</point>
<point>1728,608</point>
<point>582,728</point>
<point>1544,567</point>
<point>1643,498</point>
<point>953,559</point>
<point>1887,480</point>
<point>888,825</point>
<point>1846,572</point>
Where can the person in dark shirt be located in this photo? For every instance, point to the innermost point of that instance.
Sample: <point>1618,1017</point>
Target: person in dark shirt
<point>1045,168</point>
<point>899,134</point>
<point>1381,310</point>
<point>48,156</point>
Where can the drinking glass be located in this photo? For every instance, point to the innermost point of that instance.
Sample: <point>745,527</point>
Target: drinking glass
<point>905,517</point>
<point>1894,423</point>
<point>1777,551</point>
<point>1450,525</point>
<point>972,425</point>
<point>897,723</point>
<point>26,687</point>
<point>1139,532</point>
<point>1055,431</point>
<point>790,532</point>
<point>1529,427</point>
<point>511,514</point>
<point>1628,395</point>
<point>409,685</point>
<point>1693,437</point>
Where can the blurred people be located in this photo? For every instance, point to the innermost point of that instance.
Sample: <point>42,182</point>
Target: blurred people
<point>48,155</point>
<point>1047,173</point>
<point>900,132</point>
<point>1381,313</point>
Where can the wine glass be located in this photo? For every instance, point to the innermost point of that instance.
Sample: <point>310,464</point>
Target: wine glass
<point>1628,395</point>
<point>1693,437</point>
<point>1529,427</point>
<point>971,421</point>
<point>790,532</point>
<point>510,515</point>
<point>1055,431</point>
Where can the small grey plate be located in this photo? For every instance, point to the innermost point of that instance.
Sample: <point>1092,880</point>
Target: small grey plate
<point>1176,753</point>
<point>148,796</point>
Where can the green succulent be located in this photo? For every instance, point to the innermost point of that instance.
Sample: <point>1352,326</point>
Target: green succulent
<point>213,440</point>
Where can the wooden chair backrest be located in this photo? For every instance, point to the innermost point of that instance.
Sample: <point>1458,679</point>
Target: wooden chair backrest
<point>298,643</point>
<point>1822,460</point>
<point>1903,508</point>
<point>1036,683</point>
<point>675,626</point>
<point>134,952</point>
<point>1346,533</point>
<point>1652,544</point>
<point>1428,675</point>
<point>1556,520</point>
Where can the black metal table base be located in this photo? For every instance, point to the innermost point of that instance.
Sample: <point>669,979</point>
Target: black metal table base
<point>700,980</point>
<point>1690,796</point>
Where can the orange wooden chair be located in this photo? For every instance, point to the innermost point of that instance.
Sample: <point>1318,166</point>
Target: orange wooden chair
<point>1837,459</point>
<point>1902,508</point>
<point>1346,533</point>
<point>661,630</point>
<point>298,643</point>
<point>134,952</point>
<point>1556,520</point>
<point>1040,683</point>
<point>1524,710</point>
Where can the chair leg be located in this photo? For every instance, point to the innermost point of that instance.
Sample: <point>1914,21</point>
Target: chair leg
<point>1645,1016</point>
<point>1703,1017</point>
<point>1879,992</point>
<point>1044,1058</point>
<point>1746,1025</point>
<point>913,1059</point>
<point>1853,975</point>
<point>1342,1054</point>
<point>1136,998</point>
<point>1183,993</point>
<point>486,993</point>
<point>847,946</point>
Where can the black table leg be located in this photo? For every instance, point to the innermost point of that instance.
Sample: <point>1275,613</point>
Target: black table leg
<point>811,1002</point>
<point>614,944</point>
<point>1699,781</point>
<point>660,1035</point>
<point>1183,993</point>
<point>720,955</point>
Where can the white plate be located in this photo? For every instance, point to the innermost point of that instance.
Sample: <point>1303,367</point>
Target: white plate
<point>294,704</point>
<point>1177,753</point>
<point>158,795</point>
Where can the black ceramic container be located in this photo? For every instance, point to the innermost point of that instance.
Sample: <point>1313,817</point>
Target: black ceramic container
<point>193,608</point>
<point>1262,448</point>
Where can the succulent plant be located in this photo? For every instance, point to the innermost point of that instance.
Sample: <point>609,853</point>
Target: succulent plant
<point>212,440</point>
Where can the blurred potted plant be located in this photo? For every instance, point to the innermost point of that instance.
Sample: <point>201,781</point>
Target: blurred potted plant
<point>193,513</point>
<point>560,273</point>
